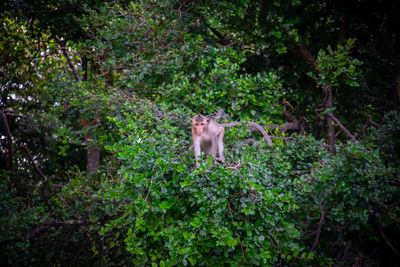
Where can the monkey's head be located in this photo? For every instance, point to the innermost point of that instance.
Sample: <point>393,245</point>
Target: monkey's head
<point>199,123</point>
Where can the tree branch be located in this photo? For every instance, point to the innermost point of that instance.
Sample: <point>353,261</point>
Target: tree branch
<point>71,66</point>
<point>9,161</point>
<point>319,229</point>
<point>347,132</point>
<point>221,39</point>
<point>368,123</point>
<point>33,162</point>
<point>254,127</point>
<point>387,241</point>
<point>379,99</point>
<point>293,126</point>
<point>328,100</point>
<point>248,141</point>
<point>262,130</point>
<point>220,115</point>
<point>48,225</point>
<point>266,137</point>
<point>9,113</point>
<point>310,59</point>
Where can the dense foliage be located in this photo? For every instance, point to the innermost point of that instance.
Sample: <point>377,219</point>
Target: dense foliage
<point>96,161</point>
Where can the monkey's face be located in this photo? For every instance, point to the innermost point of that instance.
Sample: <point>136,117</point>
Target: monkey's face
<point>200,124</point>
<point>199,127</point>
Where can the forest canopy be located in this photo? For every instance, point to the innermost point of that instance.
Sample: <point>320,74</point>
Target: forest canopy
<point>97,166</point>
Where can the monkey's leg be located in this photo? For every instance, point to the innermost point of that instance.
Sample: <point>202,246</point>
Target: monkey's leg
<point>221,147</point>
<point>214,148</point>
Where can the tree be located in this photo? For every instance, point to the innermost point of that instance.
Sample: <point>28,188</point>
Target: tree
<point>108,90</point>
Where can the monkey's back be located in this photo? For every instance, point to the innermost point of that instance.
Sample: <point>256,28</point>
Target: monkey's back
<point>215,128</point>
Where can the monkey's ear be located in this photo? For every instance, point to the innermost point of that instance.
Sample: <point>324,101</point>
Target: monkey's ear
<point>191,120</point>
<point>208,121</point>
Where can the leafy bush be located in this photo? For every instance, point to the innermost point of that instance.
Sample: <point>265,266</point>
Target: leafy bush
<point>286,204</point>
<point>289,203</point>
<point>178,215</point>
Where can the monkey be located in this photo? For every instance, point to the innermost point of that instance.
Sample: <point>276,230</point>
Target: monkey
<point>207,136</point>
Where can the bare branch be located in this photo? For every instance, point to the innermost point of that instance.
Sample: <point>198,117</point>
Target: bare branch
<point>248,141</point>
<point>262,130</point>
<point>48,225</point>
<point>293,126</point>
<point>371,122</point>
<point>387,241</point>
<point>379,99</point>
<point>309,57</point>
<point>287,103</point>
<point>289,116</point>
<point>266,137</point>
<point>368,123</point>
<point>220,115</point>
<point>10,113</point>
<point>342,127</point>
<point>319,229</point>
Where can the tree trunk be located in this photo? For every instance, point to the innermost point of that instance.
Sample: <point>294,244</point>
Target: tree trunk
<point>93,152</point>
<point>328,101</point>
<point>93,157</point>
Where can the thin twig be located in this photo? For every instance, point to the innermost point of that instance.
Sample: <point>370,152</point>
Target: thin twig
<point>236,166</point>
